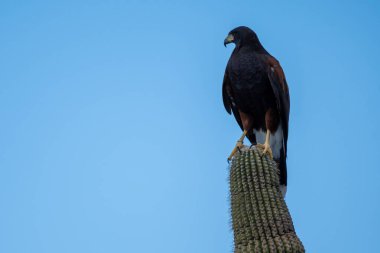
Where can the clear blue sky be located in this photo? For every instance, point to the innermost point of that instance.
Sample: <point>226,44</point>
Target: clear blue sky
<point>114,137</point>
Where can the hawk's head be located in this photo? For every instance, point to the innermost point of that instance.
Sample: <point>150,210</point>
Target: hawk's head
<point>241,36</point>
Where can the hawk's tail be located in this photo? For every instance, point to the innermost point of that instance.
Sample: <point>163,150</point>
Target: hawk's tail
<point>283,172</point>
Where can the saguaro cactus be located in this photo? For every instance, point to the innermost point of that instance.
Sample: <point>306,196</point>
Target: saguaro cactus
<point>260,218</point>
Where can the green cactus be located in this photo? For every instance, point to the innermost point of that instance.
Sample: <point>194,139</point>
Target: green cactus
<point>260,218</point>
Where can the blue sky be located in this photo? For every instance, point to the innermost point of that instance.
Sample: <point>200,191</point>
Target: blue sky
<point>114,137</point>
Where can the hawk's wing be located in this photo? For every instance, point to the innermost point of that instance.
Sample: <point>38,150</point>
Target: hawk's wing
<point>228,99</point>
<point>281,91</point>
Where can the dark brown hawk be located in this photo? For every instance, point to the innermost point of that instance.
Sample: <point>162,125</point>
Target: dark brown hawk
<point>256,92</point>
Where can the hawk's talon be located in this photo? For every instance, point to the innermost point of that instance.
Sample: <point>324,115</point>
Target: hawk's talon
<point>238,145</point>
<point>266,149</point>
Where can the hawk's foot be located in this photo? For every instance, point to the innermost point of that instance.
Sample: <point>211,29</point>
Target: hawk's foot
<point>266,149</point>
<point>238,146</point>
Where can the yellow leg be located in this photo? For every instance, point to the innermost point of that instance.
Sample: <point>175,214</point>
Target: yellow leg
<point>238,145</point>
<point>266,146</point>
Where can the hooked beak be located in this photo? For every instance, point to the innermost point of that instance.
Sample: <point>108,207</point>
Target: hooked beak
<point>229,39</point>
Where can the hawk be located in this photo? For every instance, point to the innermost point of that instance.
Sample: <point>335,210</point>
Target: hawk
<point>256,93</point>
